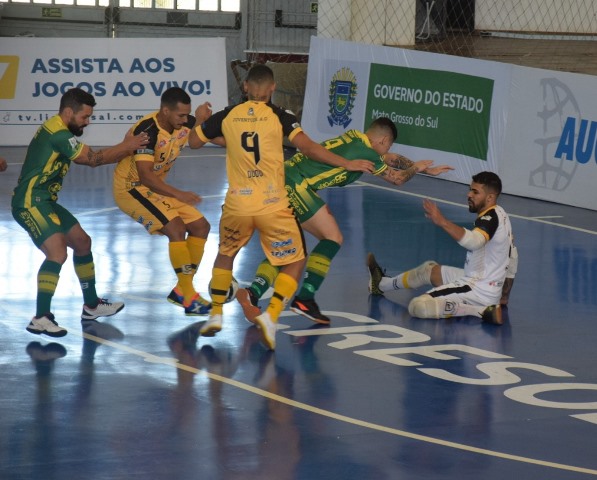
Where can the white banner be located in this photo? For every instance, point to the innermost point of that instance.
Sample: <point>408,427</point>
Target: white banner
<point>449,109</point>
<point>551,151</point>
<point>127,76</point>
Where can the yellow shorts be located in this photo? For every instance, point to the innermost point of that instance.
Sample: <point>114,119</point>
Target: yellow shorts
<point>152,210</point>
<point>280,234</point>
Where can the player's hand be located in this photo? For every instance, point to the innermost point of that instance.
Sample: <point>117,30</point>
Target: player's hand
<point>135,142</point>
<point>360,166</point>
<point>202,113</point>
<point>438,170</point>
<point>3,164</point>
<point>190,198</point>
<point>432,212</point>
<point>423,165</point>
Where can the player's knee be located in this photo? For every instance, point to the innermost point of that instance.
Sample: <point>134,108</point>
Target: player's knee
<point>423,306</point>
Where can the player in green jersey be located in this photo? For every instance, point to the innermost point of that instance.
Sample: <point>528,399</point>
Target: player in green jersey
<point>51,226</point>
<point>304,178</point>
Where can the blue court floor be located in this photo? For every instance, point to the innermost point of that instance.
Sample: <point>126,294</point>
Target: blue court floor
<point>376,395</point>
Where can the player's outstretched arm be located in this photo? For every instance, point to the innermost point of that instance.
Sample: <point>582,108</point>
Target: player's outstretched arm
<point>400,177</point>
<point>319,153</point>
<point>435,171</point>
<point>113,154</point>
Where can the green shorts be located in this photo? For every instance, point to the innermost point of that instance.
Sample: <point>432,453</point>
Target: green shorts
<point>44,220</point>
<point>304,200</point>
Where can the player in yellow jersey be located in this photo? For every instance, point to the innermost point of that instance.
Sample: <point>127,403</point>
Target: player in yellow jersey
<point>141,191</point>
<point>51,226</point>
<point>256,198</point>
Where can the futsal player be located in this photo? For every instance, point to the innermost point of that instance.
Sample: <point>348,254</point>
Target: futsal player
<point>304,178</point>
<point>491,257</point>
<point>256,198</point>
<point>52,227</point>
<point>141,191</point>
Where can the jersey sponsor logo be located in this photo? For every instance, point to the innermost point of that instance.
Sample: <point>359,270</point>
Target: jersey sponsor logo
<point>72,141</point>
<point>283,243</point>
<point>251,111</point>
<point>244,191</point>
<point>283,253</point>
<point>342,93</point>
<point>269,201</point>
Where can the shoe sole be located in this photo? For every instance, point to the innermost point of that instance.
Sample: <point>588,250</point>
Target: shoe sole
<point>371,265</point>
<point>210,331</point>
<point>174,302</point>
<point>268,342</point>
<point>49,334</point>
<point>250,310</point>
<point>197,314</point>
<point>93,317</point>
<point>306,315</point>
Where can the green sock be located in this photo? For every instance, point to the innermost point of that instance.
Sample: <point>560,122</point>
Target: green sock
<point>47,280</point>
<point>264,278</point>
<point>318,266</point>
<point>85,270</point>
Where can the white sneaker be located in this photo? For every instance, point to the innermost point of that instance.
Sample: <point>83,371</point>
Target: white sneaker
<point>212,326</point>
<point>104,309</point>
<point>268,330</point>
<point>46,325</point>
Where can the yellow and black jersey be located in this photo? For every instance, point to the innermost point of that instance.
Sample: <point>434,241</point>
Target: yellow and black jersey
<point>254,133</point>
<point>163,149</point>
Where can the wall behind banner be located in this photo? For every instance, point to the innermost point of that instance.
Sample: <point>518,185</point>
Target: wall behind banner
<point>536,128</point>
<point>127,77</point>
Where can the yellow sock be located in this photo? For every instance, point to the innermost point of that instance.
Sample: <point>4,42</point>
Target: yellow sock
<point>284,288</point>
<point>196,247</point>
<point>180,258</point>
<point>220,283</point>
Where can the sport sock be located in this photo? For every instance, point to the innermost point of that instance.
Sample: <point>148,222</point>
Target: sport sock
<point>284,288</point>
<point>47,280</point>
<point>264,278</point>
<point>85,270</point>
<point>180,258</point>
<point>318,266</point>
<point>220,284</point>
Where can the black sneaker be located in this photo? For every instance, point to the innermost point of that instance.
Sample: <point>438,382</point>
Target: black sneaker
<point>375,275</point>
<point>309,309</point>
<point>493,315</point>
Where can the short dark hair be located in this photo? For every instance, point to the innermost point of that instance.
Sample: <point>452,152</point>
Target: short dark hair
<point>75,98</point>
<point>385,125</point>
<point>173,96</point>
<point>260,73</point>
<point>490,180</point>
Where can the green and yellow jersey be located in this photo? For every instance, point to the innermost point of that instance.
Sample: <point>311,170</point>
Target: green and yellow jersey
<point>254,133</point>
<point>351,145</point>
<point>47,162</point>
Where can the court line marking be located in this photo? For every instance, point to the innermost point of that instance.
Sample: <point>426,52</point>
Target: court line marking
<point>360,183</point>
<point>343,418</point>
<point>462,205</point>
<point>327,413</point>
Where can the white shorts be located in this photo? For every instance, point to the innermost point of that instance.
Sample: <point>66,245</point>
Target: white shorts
<point>459,289</point>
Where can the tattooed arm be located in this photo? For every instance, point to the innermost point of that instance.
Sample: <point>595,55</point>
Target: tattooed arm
<point>400,162</point>
<point>111,154</point>
<point>400,176</point>
<point>395,160</point>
